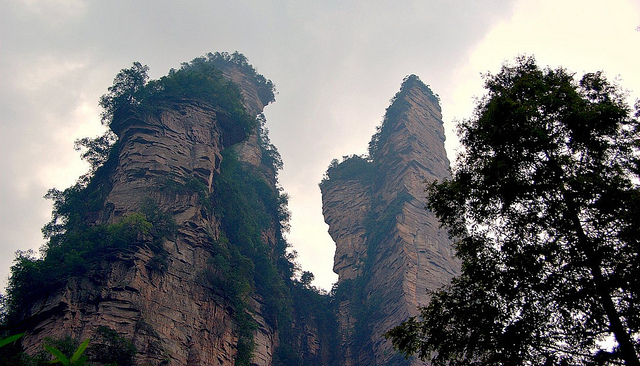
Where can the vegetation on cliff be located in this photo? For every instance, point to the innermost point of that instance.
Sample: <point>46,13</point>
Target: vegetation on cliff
<point>244,263</point>
<point>199,79</point>
<point>361,167</point>
<point>249,257</point>
<point>366,306</point>
<point>397,107</point>
<point>543,205</point>
<point>74,247</point>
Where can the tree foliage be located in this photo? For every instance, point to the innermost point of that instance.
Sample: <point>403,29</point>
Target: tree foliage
<point>249,258</point>
<point>125,91</point>
<point>201,80</point>
<point>544,207</point>
<point>96,150</point>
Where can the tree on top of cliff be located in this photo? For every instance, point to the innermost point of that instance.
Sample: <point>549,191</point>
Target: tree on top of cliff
<point>544,205</point>
<point>359,166</point>
<point>125,91</point>
<point>73,246</point>
<point>201,79</point>
<point>351,167</point>
<point>266,89</point>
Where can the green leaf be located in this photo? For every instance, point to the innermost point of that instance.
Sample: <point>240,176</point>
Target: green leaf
<point>76,356</point>
<point>81,361</point>
<point>10,339</point>
<point>59,356</point>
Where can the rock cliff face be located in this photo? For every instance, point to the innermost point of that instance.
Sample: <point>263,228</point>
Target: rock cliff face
<point>172,316</point>
<point>389,249</point>
<point>215,287</point>
<point>165,300</point>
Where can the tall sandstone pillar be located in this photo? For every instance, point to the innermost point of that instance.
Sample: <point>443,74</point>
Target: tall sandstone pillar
<point>164,304</point>
<point>389,248</point>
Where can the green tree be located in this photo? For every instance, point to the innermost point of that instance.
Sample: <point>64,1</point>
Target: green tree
<point>544,208</point>
<point>306,278</point>
<point>126,84</point>
<point>95,150</point>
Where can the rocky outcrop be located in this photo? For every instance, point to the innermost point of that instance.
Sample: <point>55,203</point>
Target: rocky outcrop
<point>389,249</point>
<point>347,219</point>
<point>161,299</point>
<point>216,287</point>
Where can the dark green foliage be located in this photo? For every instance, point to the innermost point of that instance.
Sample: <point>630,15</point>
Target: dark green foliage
<point>96,151</point>
<point>306,279</point>
<point>162,224</point>
<point>352,167</point>
<point>266,89</point>
<point>242,262</point>
<point>110,348</point>
<point>10,339</point>
<point>199,80</point>
<point>159,262</point>
<point>77,358</point>
<point>286,355</point>
<point>270,155</point>
<point>74,205</point>
<point>63,346</point>
<point>544,205</point>
<point>247,205</point>
<point>175,185</point>
<point>126,91</point>
<point>73,254</point>
<point>230,274</point>
<point>62,350</point>
<point>312,309</point>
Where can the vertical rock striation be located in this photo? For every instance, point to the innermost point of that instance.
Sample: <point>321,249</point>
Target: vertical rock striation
<point>216,287</point>
<point>389,249</point>
<point>163,299</point>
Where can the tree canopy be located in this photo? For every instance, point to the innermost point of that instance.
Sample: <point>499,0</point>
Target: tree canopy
<point>544,209</point>
<point>201,80</point>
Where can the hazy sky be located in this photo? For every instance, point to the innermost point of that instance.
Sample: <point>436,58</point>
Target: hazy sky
<point>335,64</point>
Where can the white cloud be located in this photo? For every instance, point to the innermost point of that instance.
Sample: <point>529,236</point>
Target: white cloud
<point>582,36</point>
<point>55,12</point>
<point>37,74</point>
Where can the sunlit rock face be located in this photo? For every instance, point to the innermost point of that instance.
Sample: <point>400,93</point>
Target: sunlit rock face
<point>389,248</point>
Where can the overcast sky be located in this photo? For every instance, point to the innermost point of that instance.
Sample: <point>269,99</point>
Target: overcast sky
<point>335,64</point>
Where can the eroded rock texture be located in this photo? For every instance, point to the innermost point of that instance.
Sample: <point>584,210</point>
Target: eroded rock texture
<point>389,249</point>
<point>165,294</point>
<point>163,300</point>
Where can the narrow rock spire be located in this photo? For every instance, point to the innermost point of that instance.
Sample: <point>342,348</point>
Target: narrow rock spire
<point>389,248</point>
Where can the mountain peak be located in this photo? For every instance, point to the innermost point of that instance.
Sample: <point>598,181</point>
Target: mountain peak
<point>386,241</point>
<point>413,82</point>
<point>414,114</point>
